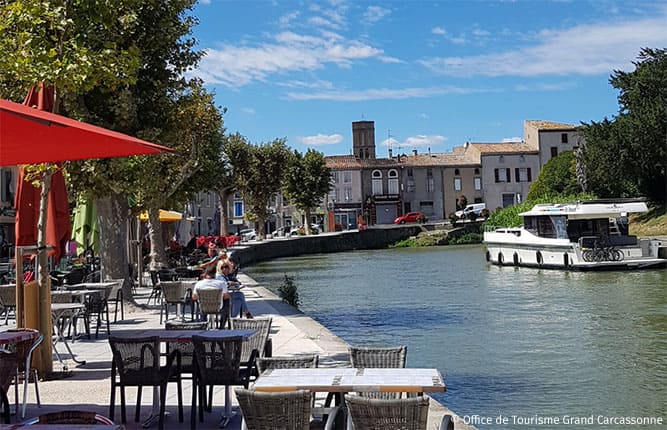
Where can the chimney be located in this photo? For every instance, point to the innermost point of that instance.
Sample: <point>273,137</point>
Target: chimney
<point>390,153</point>
<point>414,152</point>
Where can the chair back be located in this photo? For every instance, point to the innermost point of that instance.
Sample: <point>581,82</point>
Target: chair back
<point>8,296</point>
<point>390,357</point>
<point>69,417</point>
<point>376,414</point>
<point>218,361</point>
<point>61,297</point>
<point>186,348</point>
<point>288,362</point>
<point>173,291</point>
<point>135,360</point>
<point>75,276</point>
<point>155,279</point>
<point>210,300</point>
<point>262,327</point>
<point>25,348</point>
<point>277,411</point>
<point>379,357</point>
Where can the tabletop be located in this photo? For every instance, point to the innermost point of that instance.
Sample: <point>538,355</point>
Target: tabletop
<point>94,285</point>
<point>345,380</point>
<point>9,337</point>
<point>184,335</point>
<point>57,308</point>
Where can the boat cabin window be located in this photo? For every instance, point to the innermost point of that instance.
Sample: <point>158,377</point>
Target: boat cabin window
<point>577,228</point>
<point>553,227</point>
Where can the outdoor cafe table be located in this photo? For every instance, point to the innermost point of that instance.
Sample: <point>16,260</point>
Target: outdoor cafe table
<point>344,380</point>
<point>12,337</point>
<point>57,311</point>
<point>184,336</point>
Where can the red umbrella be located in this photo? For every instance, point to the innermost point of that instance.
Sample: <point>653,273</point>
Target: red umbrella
<point>31,136</point>
<point>27,204</point>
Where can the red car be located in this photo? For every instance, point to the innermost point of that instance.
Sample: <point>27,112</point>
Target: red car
<point>411,217</point>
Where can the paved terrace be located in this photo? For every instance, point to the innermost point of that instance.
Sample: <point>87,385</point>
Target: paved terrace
<point>87,387</point>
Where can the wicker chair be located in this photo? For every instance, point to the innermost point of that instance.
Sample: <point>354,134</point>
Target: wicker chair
<point>136,363</point>
<point>8,366</point>
<point>362,357</point>
<point>69,417</point>
<point>217,362</point>
<point>277,411</point>
<point>172,295</point>
<point>256,342</point>
<point>288,362</point>
<point>156,292</point>
<point>24,350</point>
<point>210,301</point>
<point>116,297</point>
<point>186,348</point>
<point>96,305</point>
<point>384,414</point>
<point>7,300</point>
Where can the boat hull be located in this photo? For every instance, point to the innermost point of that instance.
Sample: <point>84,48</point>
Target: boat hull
<point>507,249</point>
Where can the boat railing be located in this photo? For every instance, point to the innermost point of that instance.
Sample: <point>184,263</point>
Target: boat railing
<point>501,229</point>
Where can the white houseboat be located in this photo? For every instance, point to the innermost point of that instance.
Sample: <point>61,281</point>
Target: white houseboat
<point>588,235</point>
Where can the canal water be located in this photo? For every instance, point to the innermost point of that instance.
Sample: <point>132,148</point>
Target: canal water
<point>520,348</point>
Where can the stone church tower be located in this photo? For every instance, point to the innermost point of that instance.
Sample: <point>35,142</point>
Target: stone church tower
<point>363,139</point>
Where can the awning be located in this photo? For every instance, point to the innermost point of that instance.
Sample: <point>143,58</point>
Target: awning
<point>165,216</point>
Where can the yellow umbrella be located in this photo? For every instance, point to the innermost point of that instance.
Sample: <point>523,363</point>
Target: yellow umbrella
<point>165,216</point>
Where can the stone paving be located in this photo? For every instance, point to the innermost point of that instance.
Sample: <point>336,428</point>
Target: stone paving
<point>87,387</point>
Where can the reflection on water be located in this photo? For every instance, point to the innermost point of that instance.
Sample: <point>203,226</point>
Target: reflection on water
<point>511,341</point>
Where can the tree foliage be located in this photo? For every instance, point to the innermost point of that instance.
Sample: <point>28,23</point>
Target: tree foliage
<point>509,216</point>
<point>558,176</point>
<point>626,156</point>
<point>258,172</point>
<point>307,181</point>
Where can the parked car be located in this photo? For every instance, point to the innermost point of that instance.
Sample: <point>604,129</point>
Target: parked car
<point>472,211</point>
<point>411,217</point>
<point>248,234</point>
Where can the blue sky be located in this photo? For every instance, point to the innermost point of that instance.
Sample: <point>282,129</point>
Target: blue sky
<point>431,74</point>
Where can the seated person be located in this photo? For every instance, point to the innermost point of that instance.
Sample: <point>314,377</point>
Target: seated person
<point>214,257</point>
<point>210,282</point>
<point>239,305</point>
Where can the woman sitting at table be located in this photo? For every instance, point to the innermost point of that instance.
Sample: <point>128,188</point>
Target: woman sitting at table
<point>225,268</point>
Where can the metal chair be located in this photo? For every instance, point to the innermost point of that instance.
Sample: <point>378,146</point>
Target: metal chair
<point>24,350</point>
<point>277,411</point>
<point>136,363</point>
<point>256,342</point>
<point>382,414</point>
<point>361,357</point>
<point>68,417</point>
<point>96,305</point>
<point>116,297</point>
<point>7,300</point>
<point>156,291</point>
<point>217,362</point>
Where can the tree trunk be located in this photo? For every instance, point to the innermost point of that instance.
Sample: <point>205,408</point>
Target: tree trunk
<point>112,213</point>
<point>44,294</point>
<point>158,255</point>
<point>224,211</point>
<point>306,222</point>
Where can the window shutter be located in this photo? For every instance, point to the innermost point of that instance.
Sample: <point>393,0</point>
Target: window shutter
<point>516,175</point>
<point>529,177</point>
<point>495,171</point>
<point>507,174</point>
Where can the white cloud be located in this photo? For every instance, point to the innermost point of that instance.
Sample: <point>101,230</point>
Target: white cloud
<point>383,94</point>
<point>584,49</point>
<point>320,139</point>
<point>415,141</point>
<point>287,19</point>
<point>424,116</point>
<point>438,31</point>
<point>236,66</point>
<point>375,13</point>
<point>248,110</point>
<point>205,1</point>
<point>511,139</point>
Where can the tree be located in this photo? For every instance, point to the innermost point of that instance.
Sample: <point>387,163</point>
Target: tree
<point>307,181</point>
<point>558,176</point>
<point>626,156</point>
<point>258,172</point>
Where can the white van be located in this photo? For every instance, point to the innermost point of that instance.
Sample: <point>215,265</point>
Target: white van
<point>468,211</point>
